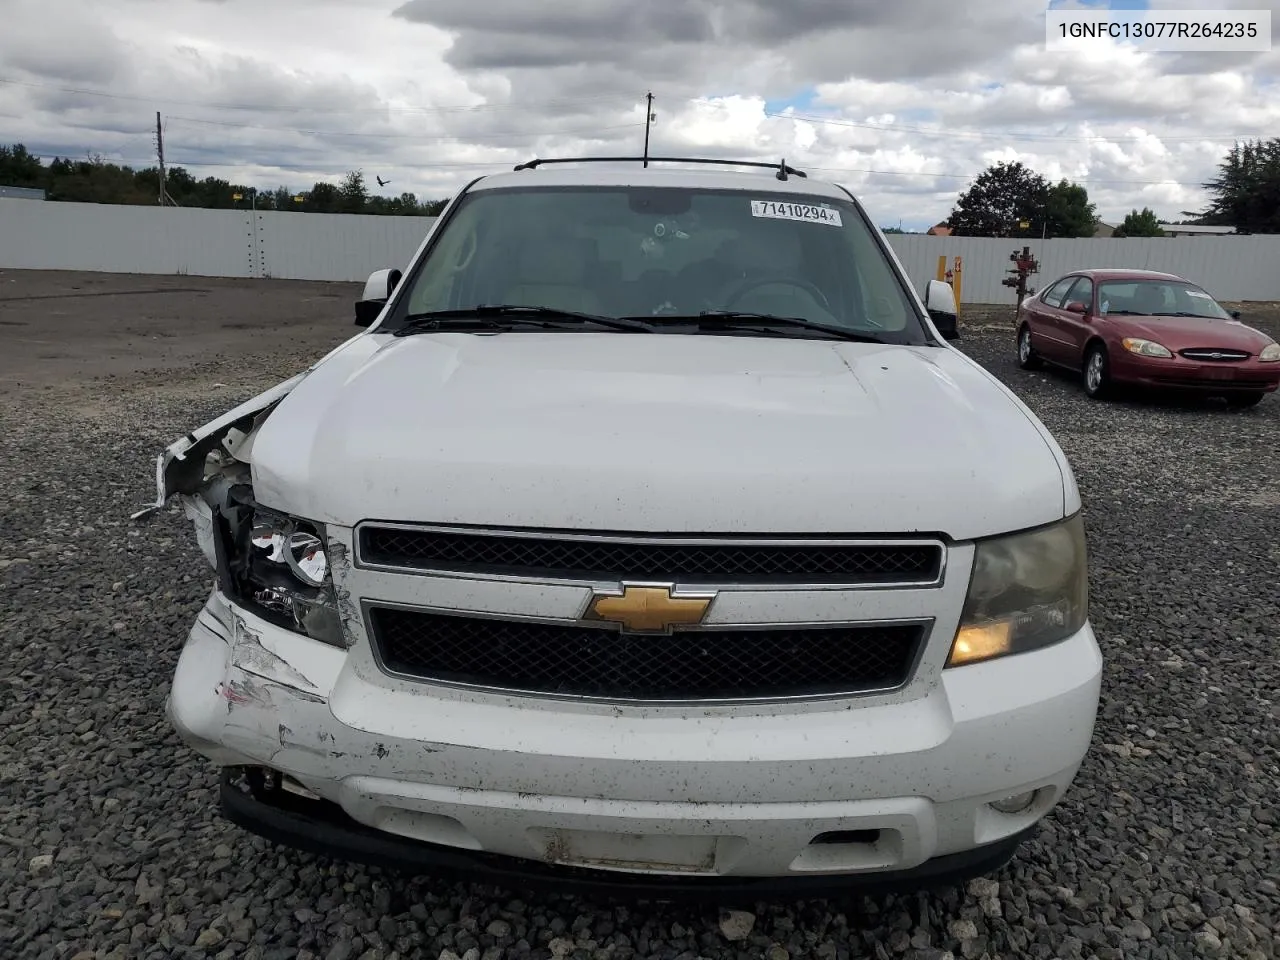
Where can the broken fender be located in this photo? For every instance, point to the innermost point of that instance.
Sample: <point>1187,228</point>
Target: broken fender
<point>180,468</point>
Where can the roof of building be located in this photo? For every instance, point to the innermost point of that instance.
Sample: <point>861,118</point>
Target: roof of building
<point>1194,228</point>
<point>21,193</point>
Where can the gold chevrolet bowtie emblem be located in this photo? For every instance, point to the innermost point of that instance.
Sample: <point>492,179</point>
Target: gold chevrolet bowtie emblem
<point>649,609</point>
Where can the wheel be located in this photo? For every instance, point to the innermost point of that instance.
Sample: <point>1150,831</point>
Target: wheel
<point>1097,372</point>
<point>1242,401</point>
<point>1027,358</point>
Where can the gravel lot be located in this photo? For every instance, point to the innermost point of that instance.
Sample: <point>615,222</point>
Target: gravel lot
<point>110,842</point>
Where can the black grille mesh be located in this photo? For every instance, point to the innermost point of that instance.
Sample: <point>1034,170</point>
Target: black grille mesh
<point>570,660</point>
<point>604,560</point>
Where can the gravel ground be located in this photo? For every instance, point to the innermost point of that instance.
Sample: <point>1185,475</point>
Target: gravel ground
<point>110,842</point>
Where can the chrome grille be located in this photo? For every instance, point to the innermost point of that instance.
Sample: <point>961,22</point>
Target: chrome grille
<point>585,557</point>
<point>1214,354</point>
<point>701,665</point>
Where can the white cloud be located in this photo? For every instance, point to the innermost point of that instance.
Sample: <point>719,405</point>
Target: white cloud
<point>911,100</point>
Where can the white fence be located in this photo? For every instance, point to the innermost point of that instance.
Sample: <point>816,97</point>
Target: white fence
<point>111,238</point>
<point>307,246</point>
<point>1231,268</point>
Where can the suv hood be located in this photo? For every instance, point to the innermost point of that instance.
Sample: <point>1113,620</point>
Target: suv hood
<point>645,433</point>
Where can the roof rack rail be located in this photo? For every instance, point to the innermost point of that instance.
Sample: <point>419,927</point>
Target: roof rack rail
<point>783,170</point>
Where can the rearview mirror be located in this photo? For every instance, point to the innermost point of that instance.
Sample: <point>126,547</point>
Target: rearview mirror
<point>940,303</point>
<point>1075,306</point>
<point>377,291</point>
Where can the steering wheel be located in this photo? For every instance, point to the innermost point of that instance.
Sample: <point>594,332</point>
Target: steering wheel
<point>739,288</point>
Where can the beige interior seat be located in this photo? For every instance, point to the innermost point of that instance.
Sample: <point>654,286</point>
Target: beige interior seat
<point>554,272</point>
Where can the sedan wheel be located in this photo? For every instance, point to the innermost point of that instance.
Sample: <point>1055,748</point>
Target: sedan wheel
<point>1097,372</point>
<point>1027,358</point>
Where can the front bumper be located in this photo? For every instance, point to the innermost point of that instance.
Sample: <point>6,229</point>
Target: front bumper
<point>1180,373</point>
<point>894,792</point>
<point>322,827</point>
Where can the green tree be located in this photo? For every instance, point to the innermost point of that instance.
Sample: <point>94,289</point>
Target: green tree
<point>353,194</point>
<point>1068,212</point>
<point>18,168</point>
<point>94,180</point>
<point>1246,192</point>
<point>322,198</point>
<point>1001,197</point>
<point>1144,224</point>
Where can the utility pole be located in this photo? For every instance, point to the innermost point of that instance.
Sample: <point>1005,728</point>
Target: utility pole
<point>160,155</point>
<point>648,119</point>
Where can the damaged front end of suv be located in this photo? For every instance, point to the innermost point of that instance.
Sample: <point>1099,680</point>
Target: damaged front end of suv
<point>269,563</point>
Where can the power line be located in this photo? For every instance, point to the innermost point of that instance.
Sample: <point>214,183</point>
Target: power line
<point>951,133</point>
<point>948,133</point>
<point>398,136</point>
<point>971,176</point>
<point>976,135</point>
<point>303,108</point>
<point>170,163</point>
<point>506,164</point>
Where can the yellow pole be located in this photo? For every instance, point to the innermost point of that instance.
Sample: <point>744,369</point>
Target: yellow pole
<point>956,283</point>
<point>942,267</point>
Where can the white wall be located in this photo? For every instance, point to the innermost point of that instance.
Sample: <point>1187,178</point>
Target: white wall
<point>110,238</point>
<point>1231,268</point>
<point>310,246</point>
<point>316,246</point>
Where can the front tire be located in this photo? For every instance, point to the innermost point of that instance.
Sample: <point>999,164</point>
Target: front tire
<point>1027,357</point>
<point>1242,401</point>
<point>1097,372</point>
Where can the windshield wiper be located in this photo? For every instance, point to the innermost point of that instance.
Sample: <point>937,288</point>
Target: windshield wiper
<point>738,319</point>
<point>503,316</point>
<point>1125,313</point>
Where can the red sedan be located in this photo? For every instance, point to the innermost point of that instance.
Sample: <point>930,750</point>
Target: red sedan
<point>1147,329</point>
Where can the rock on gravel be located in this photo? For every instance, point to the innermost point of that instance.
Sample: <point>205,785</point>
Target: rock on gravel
<point>736,924</point>
<point>111,846</point>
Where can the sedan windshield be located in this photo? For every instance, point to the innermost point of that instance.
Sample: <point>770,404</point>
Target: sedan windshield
<point>653,252</point>
<point>1162,298</point>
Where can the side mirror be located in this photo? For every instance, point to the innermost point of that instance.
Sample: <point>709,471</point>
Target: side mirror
<point>1075,306</point>
<point>940,303</point>
<point>1235,314</point>
<point>377,291</point>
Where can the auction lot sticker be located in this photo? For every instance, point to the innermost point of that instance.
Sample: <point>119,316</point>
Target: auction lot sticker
<point>783,210</point>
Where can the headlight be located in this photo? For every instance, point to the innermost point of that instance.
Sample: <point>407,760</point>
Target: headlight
<point>1027,591</point>
<point>278,567</point>
<point>1270,353</point>
<point>1145,348</point>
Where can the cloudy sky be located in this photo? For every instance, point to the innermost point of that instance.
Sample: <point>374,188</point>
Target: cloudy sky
<point>904,101</point>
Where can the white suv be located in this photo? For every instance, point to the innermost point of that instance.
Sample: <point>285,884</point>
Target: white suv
<point>650,535</point>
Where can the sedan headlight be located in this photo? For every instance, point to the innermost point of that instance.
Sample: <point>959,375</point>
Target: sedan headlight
<point>1145,348</point>
<point>1027,591</point>
<point>1270,353</point>
<point>278,567</point>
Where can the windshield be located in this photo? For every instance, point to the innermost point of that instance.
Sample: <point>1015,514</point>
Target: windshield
<point>652,252</point>
<point>1158,298</point>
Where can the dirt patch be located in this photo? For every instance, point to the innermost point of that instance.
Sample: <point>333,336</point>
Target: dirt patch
<point>72,335</point>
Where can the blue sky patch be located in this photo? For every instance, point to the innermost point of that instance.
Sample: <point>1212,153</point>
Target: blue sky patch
<point>800,102</point>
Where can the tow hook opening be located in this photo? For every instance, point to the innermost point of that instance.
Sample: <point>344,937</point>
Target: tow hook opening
<point>846,836</point>
<point>270,786</point>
